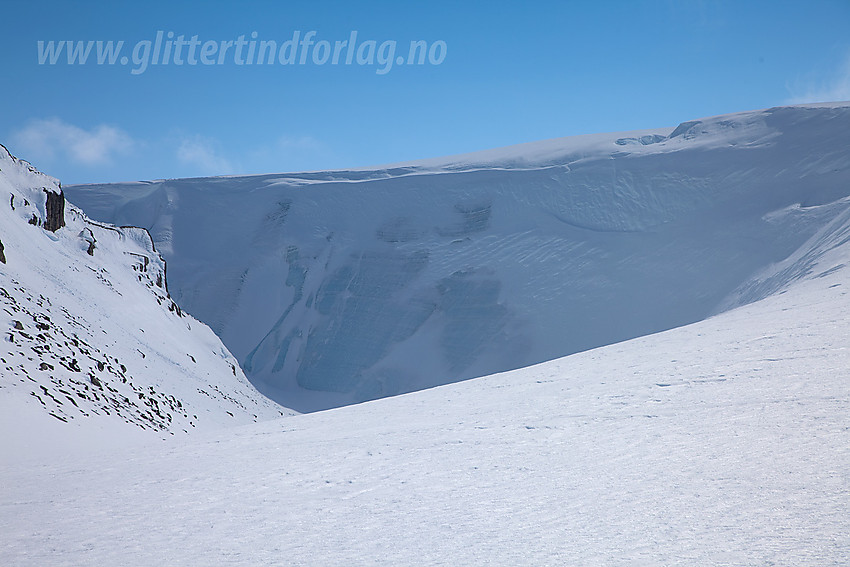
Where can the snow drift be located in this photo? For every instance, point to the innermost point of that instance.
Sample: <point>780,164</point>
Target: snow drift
<point>341,286</point>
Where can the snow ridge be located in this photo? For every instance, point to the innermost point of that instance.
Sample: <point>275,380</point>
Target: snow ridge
<point>342,286</point>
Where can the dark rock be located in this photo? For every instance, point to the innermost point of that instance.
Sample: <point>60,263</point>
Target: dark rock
<point>55,211</point>
<point>2,255</point>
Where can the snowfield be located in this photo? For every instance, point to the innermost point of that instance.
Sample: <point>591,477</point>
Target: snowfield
<point>470,265</point>
<point>726,442</point>
<point>715,432</point>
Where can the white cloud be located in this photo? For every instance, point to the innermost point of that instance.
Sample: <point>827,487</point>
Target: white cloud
<point>71,151</point>
<point>835,89</point>
<point>204,154</point>
<point>44,139</point>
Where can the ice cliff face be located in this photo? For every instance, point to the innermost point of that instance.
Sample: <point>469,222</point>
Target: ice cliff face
<point>90,334</point>
<point>341,286</point>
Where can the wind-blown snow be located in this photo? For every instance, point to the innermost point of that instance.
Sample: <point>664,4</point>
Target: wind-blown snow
<point>342,286</point>
<point>92,343</point>
<point>726,442</point>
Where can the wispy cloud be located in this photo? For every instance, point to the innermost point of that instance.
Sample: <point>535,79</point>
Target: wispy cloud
<point>102,152</point>
<point>836,88</point>
<point>46,139</point>
<point>285,153</point>
<point>205,154</point>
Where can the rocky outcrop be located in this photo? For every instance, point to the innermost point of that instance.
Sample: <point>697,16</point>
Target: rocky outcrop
<point>88,236</point>
<point>88,331</point>
<point>54,217</point>
<point>2,255</point>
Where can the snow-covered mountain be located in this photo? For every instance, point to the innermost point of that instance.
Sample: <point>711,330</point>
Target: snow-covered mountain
<point>91,339</point>
<point>723,443</point>
<point>351,285</point>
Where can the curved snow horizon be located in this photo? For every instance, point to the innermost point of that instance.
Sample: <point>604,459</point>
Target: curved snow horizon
<point>342,286</point>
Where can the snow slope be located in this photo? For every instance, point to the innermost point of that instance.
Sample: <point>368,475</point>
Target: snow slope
<point>91,340</point>
<point>342,286</point>
<point>726,442</point>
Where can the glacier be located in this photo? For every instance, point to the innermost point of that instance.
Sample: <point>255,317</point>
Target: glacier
<point>335,287</point>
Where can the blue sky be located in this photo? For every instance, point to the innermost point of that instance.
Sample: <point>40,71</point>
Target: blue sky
<point>511,73</point>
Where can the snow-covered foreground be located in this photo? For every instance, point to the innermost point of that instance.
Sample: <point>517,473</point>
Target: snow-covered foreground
<point>726,442</point>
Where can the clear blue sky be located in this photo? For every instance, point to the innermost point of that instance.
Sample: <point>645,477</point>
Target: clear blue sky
<point>512,73</point>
